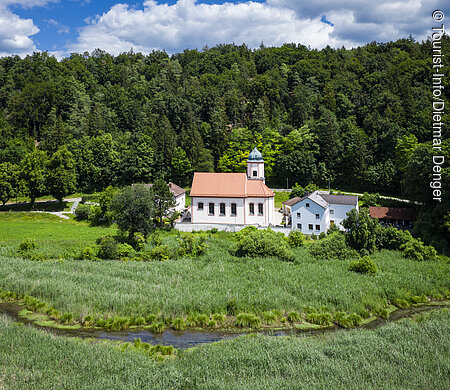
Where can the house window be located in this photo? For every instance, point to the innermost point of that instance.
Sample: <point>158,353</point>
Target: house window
<point>233,209</point>
<point>310,226</point>
<point>331,223</point>
<point>252,208</point>
<point>299,226</point>
<point>255,173</point>
<point>211,208</point>
<point>222,208</point>
<point>307,204</point>
<point>318,227</point>
<point>317,216</point>
<point>331,211</point>
<point>260,209</point>
<point>298,215</point>
<point>200,206</point>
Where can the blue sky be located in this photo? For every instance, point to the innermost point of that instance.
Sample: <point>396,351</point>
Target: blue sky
<point>65,26</point>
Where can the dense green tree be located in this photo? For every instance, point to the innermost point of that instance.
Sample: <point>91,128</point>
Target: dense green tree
<point>61,175</point>
<point>363,231</point>
<point>9,176</point>
<point>164,200</point>
<point>133,209</point>
<point>33,173</point>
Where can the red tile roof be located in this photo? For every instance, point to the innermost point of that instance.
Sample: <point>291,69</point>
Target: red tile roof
<point>228,185</point>
<point>392,213</point>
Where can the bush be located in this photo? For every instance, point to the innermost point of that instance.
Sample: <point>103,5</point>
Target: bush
<point>296,239</point>
<point>192,245</point>
<point>364,265</point>
<point>393,238</point>
<point>322,235</point>
<point>415,249</point>
<point>139,241</point>
<point>83,212</point>
<point>107,248</point>
<point>214,230</point>
<point>160,253</point>
<point>262,243</point>
<point>333,229</point>
<point>88,253</point>
<point>27,245</point>
<point>332,247</point>
<point>124,250</point>
<point>179,324</point>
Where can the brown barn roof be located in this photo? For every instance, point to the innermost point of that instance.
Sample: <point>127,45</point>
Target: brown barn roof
<point>392,213</point>
<point>228,185</point>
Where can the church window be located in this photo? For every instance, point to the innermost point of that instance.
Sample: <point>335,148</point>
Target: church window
<point>211,208</point>
<point>200,205</point>
<point>260,209</point>
<point>252,208</point>
<point>255,173</point>
<point>222,209</point>
<point>233,209</point>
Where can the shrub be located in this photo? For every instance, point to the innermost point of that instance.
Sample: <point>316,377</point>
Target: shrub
<point>27,245</point>
<point>393,238</point>
<point>88,253</point>
<point>192,245</point>
<point>364,265</point>
<point>219,318</point>
<point>160,253</point>
<point>313,236</point>
<point>332,247</point>
<point>214,230</point>
<point>83,212</point>
<point>66,317</point>
<point>211,323</point>
<point>416,250</point>
<point>139,241</point>
<point>156,238</point>
<point>107,248</point>
<point>202,319</point>
<point>363,231</point>
<point>295,239</point>
<point>333,229</point>
<point>262,243</point>
<point>322,235</point>
<point>124,250</point>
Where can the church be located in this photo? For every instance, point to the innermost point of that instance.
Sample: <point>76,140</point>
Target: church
<point>233,198</point>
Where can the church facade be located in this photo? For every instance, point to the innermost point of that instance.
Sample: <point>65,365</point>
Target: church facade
<point>233,198</point>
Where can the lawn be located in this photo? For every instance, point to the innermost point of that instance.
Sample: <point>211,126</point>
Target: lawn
<point>406,355</point>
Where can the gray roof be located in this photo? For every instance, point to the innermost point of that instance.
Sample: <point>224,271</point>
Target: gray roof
<point>255,155</point>
<point>291,201</point>
<point>324,200</point>
<point>340,199</point>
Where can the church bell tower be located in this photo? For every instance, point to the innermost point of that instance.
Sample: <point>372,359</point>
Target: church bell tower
<point>255,166</point>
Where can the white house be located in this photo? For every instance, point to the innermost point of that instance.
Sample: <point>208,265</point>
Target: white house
<point>316,212</point>
<point>233,198</point>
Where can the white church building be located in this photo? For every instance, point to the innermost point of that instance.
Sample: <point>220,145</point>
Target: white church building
<point>233,198</point>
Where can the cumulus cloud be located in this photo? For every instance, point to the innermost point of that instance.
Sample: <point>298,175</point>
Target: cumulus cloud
<point>188,24</point>
<point>15,32</point>
<point>358,22</point>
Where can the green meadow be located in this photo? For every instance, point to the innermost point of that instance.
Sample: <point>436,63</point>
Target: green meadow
<point>410,354</point>
<point>205,284</point>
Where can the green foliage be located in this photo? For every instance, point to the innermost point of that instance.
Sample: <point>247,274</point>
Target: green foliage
<point>33,173</point>
<point>297,191</point>
<point>393,238</point>
<point>294,316</point>
<point>334,246</point>
<point>107,248</point>
<point>368,200</point>
<point>139,241</point>
<point>160,253</point>
<point>9,181</point>
<point>363,231</point>
<point>296,239</point>
<point>179,324</point>
<point>416,250</point>
<point>323,319</point>
<point>27,245</point>
<point>262,243</point>
<point>163,200</point>
<point>88,253</point>
<point>364,265</point>
<point>248,320</point>
<point>191,245</point>
<point>133,210</point>
<point>83,212</point>
<point>61,177</point>
<point>124,250</point>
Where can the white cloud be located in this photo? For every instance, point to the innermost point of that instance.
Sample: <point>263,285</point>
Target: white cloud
<point>15,32</point>
<point>358,22</point>
<point>188,24</point>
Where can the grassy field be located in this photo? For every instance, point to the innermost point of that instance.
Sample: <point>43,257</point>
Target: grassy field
<point>55,236</point>
<point>405,355</point>
<point>206,284</point>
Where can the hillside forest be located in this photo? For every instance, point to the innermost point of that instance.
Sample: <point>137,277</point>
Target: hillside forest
<point>352,119</point>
